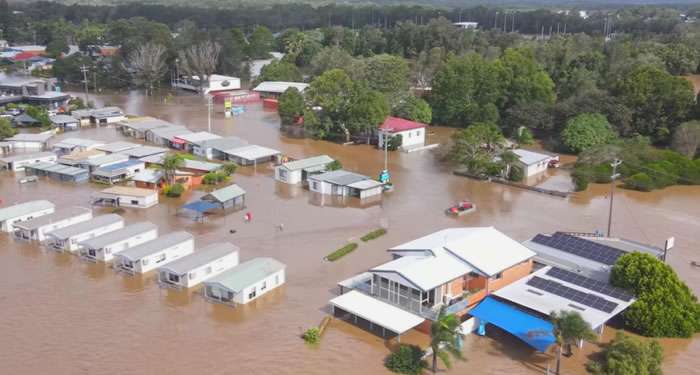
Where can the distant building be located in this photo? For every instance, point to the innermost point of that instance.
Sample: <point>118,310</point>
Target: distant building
<point>412,133</point>
<point>216,83</point>
<point>467,25</point>
<point>273,89</point>
<point>532,162</point>
<point>33,141</point>
<point>21,161</point>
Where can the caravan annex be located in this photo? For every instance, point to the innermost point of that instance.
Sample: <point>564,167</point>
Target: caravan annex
<point>198,267</point>
<point>36,229</point>
<point>245,282</point>
<point>70,237</point>
<point>104,247</point>
<point>9,216</point>
<point>155,253</point>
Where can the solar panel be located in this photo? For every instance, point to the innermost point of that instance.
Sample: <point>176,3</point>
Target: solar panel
<point>580,247</point>
<point>588,283</point>
<point>572,294</point>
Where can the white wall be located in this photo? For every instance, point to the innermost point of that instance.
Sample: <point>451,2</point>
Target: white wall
<point>292,177</point>
<point>138,202</point>
<point>28,145</point>
<point>40,233</point>
<point>200,274</point>
<point>73,243</point>
<point>327,188</point>
<point>271,282</point>
<point>20,164</point>
<point>234,84</point>
<point>371,192</point>
<point>535,168</point>
<point>107,253</point>
<point>414,137</point>
<point>8,225</point>
<point>159,258</point>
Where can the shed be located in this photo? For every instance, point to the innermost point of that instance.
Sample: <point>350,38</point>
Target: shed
<point>252,155</point>
<point>103,248</point>
<point>36,229</point>
<point>200,266</point>
<point>69,238</point>
<point>297,171</point>
<point>126,196</point>
<point>11,215</point>
<point>19,162</point>
<point>155,253</point>
<point>532,162</point>
<point>232,196</point>
<point>273,89</point>
<point>245,282</point>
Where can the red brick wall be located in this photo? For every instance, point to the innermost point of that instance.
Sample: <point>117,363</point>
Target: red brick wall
<point>511,275</point>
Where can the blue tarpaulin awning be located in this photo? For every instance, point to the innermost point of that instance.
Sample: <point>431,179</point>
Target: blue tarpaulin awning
<point>531,329</point>
<point>200,206</point>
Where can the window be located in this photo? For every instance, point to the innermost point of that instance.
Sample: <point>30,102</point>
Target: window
<point>144,261</point>
<point>160,258</point>
<point>252,294</point>
<point>135,202</point>
<point>263,286</point>
<point>192,275</point>
<point>283,174</point>
<point>314,185</point>
<point>497,276</point>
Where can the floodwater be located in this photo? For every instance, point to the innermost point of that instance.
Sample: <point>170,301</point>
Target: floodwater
<point>60,315</point>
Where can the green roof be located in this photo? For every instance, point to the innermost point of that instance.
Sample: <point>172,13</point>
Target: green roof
<point>227,193</point>
<point>247,274</point>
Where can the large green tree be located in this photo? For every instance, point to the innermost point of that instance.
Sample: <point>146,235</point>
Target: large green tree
<point>331,95</point>
<point>526,80</point>
<point>280,70</point>
<point>331,58</point>
<point>476,146</point>
<point>6,128</point>
<point>586,131</point>
<point>569,328</point>
<point>626,355</point>
<point>413,108</point>
<point>291,105</point>
<point>665,306</point>
<point>387,74</point>
<point>261,43</point>
<point>368,108</point>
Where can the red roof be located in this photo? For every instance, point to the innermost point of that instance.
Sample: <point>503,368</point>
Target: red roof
<point>395,124</point>
<point>23,56</point>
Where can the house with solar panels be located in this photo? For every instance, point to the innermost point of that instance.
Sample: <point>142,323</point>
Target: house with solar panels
<point>456,268</point>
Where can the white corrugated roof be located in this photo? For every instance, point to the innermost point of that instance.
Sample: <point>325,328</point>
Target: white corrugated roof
<point>530,157</point>
<point>252,152</point>
<point>279,87</point>
<point>320,160</point>
<point>198,137</point>
<point>25,208</point>
<point>377,312</point>
<point>426,271</point>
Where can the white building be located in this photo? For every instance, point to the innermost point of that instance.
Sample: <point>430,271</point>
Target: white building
<point>188,141</point>
<point>18,162</point>
<point>116,147</point>
<point>274,89</point>
<point>69,238</point>
<point>166,135</point>
<point>533,163</point>
<point>216,83</point>
<point>113,173</point>
<point>467,25</point>
<point>345,184</point>
<point>297,171</point>
<point>200,266</point>
<point>104,247</point>
<point>9,216</point>
<point>412,133</point>
<point>137,127</point>
<point>126,196</point>
<point>214,148</point>
<point>245,282</point>
<point>68,145</point>
<point>36,229</point>
<point>252,155</point>
<point>155,253</point>
<point>30,141</point>
<point>65,122</point>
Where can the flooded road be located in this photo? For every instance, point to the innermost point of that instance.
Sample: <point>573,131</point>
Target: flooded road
<point>64,316</point>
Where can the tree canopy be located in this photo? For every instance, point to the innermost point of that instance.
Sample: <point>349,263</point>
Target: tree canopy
<point>626,355</point>
<point>585,131</point>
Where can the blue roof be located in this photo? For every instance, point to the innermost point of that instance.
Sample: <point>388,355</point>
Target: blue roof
<point>200,206</point>
<point>533,330</point>
<point>121,165</point>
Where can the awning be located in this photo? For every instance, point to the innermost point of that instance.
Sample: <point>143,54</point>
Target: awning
<point>200,206</point>
<point>377,312</point>
<point>533,330</point>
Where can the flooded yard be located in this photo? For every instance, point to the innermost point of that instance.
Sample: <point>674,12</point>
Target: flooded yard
<point>65,316</point>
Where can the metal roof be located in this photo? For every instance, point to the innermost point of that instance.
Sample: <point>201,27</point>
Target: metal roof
<point>186,164</point>
<point>143,151</point>
<point>198,137</point>
<point>150,176</point>
<point>247,274</point>
<point>106,159</point>
<point>128,191</point>
<point>25,118</point>
<point>145,249</point>
<point>117,146</point>
<point>86,226</point>
<point>200,258</point>
<point>77,142</point>
<point>63,119</point>
<point>530,157</point>
<point>252,152</point>
<point>30,137</point>
<point>226,143</point>
<point>380,313</point>
<point>170,131</point>
<point>125,164</point>
<point>366,184</point>
<point>57,169</point>
<point>145,123</point>
<point>24,208</point>
<point>423,271</point>
<point>279,87</point>
<point>340,177</point>
<point>35,155</point>
<point>314,161</point>
<point>119,235</point>
<point>60,215</point>
<point>81,155</point>
<point>227,193</point>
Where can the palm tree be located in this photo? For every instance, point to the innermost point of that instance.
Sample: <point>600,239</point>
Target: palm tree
<point>508,158</point>
<point>445,334</point>
<point>569,327</point>
<point>171,163</point>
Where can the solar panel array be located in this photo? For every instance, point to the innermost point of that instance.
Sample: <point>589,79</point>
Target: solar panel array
<point>572,294</point>
<point>581,247</point>
<point>591,284</point>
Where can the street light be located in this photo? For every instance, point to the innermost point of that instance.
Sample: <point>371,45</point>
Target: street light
<point>384,176</point>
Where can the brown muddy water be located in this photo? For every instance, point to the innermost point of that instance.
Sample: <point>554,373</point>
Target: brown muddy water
<point>60,315</point>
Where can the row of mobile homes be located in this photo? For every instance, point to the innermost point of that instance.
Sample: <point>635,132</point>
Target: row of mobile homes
<point>58,172</point>
<point>187,142</point>
<point>113,173</point>
<point>214,148</point>
<point>116,147</point>
<point>75,158</point>
<point>30,141</point>
<point>165,136</point>
<point>99,116</point>
<point>345,184</point>
<point>69,238</point>
<point>68,145</point>
<point>96,163</point>
<point>137,127</point>
<point>126,196</point>
<point>18,162</point>
<point>155,253</point>
<point>297,171</point>
<point>252,155</point>
<point>104,247</point>
<point>11,215</point>
<point>36,229</point>
<point>200,266</point>
<point>245,282</point>
<point>65,122</point>
<point>144,151</point>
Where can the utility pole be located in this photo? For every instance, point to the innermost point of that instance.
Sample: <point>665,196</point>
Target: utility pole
<point>84,70</point>
<point>614,176</point>
<point>209,105</point>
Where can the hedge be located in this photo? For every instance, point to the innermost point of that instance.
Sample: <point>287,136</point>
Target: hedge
<point>373,235</point>
<point>343,251</point>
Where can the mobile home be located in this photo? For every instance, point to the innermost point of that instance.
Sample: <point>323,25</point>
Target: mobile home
<point>9,216</point>
<point>36,229</point>
<point>137,127</point>
<point>113,173</point>
<point>57,172</point>
<point>70,237</point>
<point>34,141</point>
<point>214,148</point>
<point>104,247</point>
<point>198,267</point>
<point>345,184</point>
<point>155,253</point>
<point>245,282</point>
<point>296,172</point>
<point>126,196</point>
<point>68,145</point>
<point>18,162</point>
